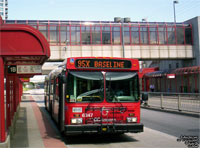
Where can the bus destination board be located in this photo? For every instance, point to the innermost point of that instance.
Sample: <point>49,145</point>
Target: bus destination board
<point>103,63</point>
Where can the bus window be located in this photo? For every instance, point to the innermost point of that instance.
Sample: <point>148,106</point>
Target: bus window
<point>122,87</point>
<point>85,87</point>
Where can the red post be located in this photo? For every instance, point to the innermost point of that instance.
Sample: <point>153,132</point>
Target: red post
<point>8,105</point>
<point>2,108</point>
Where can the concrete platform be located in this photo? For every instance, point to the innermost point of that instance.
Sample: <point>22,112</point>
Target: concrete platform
<point>33,128</point>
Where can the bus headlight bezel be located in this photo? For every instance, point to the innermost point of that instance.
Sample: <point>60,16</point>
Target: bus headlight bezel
<point>131,119</point>
<point>76,120</point>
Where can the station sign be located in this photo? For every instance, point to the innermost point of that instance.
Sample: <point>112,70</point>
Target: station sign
<point>103,63</point>
<point>24,69</point>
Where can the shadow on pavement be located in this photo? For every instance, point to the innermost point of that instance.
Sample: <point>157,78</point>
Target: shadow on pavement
<point>20,138</point>
<point>98,139</point>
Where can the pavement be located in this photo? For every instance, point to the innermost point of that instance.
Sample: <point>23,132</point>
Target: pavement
<point>35,129</point>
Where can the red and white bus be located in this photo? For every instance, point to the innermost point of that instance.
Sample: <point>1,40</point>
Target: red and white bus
<point>95,95</point>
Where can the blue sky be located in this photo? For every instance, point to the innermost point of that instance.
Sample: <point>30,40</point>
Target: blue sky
<point>102,10</point>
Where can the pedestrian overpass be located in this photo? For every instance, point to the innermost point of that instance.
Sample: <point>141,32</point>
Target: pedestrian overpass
<point>140,40</point>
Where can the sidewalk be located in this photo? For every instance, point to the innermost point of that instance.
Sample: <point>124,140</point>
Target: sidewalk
<point>33,128</point>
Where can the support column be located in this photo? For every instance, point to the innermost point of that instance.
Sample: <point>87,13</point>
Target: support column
<point>8,105</point>
<point>2,108</point>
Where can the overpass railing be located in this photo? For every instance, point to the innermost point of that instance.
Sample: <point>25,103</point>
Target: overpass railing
<point>189,102</point>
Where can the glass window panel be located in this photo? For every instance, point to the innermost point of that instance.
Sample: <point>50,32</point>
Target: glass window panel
<point>75,35</point>
<point>64,34</point>
<point>180,35</point>
<point>188,35</point>
<point>116,28</point>
<point>171,35</point>
<point>162,35</point>
<point>106,35</point>
<point>44,31</point>
<point>116,38</point>
<point>104,28</point>
<point>85,34</point>
<point>126,37</point>
<point>126,28</point>
<point>96,35</point>
<point>143,28</point>
<point>135,37</point>
<point>106,38</point>
<point>54,34</point>
<point>135,29</point>
<point>143,35</point>
<point>153,35</point>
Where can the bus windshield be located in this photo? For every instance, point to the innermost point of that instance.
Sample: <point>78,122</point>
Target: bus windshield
<point>122,87</point>
<point>85,87</point>
<point>89,87</point>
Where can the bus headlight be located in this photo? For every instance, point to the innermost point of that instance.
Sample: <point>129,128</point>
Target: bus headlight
<point>76,121</point>
<point>131,119</point>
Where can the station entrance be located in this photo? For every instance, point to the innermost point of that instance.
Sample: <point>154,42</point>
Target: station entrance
<point>23,51</point>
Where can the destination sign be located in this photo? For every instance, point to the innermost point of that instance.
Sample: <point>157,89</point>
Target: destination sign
<point>24,69</point>
<point>103,63</point>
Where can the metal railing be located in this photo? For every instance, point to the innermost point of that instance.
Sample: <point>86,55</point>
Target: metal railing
<point>177,101</point>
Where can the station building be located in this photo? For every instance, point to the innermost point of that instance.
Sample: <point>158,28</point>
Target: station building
<point>4,9</point>
<point>167,46</point>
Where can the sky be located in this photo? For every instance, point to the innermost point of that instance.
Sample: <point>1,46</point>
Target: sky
<point>103,10</point>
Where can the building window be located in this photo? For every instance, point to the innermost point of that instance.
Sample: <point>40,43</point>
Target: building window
<point>188,35</point>
<point>144,35</point>
<point>54,34</point>
<point>44,30</point>
<point>153,35</point>
<point>116,35</point>
<point>85,35</point>
<point>135,35</point>
<point>64,34</point>
<point>106,35</point>
<point>75,35</point>
<point>96,35</point>
<point>177,65</point>
<point>170,66</point>
<point>162,35</point>
<point>127,35</point>
<point>171,35</point>
<point>180,35</point>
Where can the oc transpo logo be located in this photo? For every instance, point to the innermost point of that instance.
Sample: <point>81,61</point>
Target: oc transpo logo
<point>105,111</point>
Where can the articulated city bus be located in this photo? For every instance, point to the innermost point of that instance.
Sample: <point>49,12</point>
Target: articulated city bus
<point>95,95</point>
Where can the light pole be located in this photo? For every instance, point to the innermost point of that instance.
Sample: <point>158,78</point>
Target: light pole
<point>175,2</point>
<point>122,21</point>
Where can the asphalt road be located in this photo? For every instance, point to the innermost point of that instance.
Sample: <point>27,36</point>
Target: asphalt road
<point>169,123</point>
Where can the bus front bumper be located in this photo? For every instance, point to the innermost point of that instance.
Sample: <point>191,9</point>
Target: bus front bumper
<point>104,128</point>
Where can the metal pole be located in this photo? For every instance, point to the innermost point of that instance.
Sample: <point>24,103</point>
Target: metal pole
<point>174,12</point>
<point>175,2</point>
<point>2,106</point>
<point>179,102</point>
<point>161,101</point>
<point>123,38</point>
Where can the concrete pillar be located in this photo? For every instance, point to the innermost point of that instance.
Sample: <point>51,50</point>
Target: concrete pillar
<point>2,108</point>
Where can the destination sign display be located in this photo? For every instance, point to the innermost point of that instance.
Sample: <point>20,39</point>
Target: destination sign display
<point>103,63</point>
